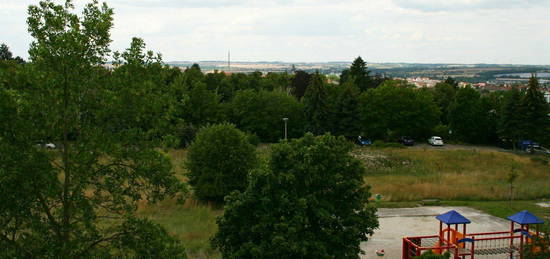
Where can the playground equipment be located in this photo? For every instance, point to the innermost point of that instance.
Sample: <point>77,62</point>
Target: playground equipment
<point>463,245</point>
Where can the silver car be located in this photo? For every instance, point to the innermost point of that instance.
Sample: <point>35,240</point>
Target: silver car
<point>435,141</point>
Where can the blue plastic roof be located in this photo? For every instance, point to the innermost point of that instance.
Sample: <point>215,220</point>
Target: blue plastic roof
<point>525,217</point>
<point>453,217</point>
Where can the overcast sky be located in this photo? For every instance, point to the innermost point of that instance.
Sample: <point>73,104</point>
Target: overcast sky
<point>422,31</point>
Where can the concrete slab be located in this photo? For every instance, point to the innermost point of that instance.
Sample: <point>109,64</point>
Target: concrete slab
<point>398,223</point>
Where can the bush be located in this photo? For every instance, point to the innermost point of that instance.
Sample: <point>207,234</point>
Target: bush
<point>219,161</point>
<point>310,201</point>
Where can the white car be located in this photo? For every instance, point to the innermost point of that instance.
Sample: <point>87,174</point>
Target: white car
<point>435,141</point>
<point>50,146</point>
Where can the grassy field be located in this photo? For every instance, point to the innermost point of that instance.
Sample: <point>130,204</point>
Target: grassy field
<point>411,174</point>
<point>404,176</point>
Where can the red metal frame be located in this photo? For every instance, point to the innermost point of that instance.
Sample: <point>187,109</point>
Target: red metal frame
<point>408,242</point>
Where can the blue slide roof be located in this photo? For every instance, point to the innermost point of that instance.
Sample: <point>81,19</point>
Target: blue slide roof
<point>452,217</point>
<point>525,217</point>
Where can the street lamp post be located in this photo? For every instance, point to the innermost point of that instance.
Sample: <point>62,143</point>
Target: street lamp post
<point>285,120</point>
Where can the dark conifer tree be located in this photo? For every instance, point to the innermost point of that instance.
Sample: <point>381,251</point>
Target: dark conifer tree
<point>534,111</point>
<point>510,121</point>
<point>316,105</point>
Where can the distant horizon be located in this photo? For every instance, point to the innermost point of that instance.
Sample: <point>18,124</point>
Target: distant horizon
<point>341,61</point>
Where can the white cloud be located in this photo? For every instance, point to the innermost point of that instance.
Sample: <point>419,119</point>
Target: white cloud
<point>467,5</point>
<point>467,31</point>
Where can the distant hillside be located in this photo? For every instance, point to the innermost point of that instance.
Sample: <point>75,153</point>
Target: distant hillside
<point>473,73</point>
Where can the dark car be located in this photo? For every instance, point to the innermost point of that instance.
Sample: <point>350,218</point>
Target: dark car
<point>363,141</point>
<point>407,141</point>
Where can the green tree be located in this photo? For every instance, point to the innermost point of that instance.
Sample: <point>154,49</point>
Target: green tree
<point>467,120</point>
<point>510,121</point>
<point>444,95</point>
<point>200,106</point>
<point>5,54</point>
<point>219,160</point>
<point>300,83</point>
<point>309,202</point>
<point>452,82</point>
<point>491,104</point>
<point>344,111</point>
<point>359,74</point>
<point>316,105</point>
<point>141,95</point>
<point>396,109</point>
<point>193,75</point>
<point>78,200</point>
<point>534,112</point>
<point>262,112</point>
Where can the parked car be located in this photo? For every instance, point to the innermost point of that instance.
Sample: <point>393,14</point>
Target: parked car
<point>407,141</point>
<point>47,145</point>
<point>363,141</point>
<point>435,141</point>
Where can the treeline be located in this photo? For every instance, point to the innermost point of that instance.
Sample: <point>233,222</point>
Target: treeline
<point>174,104</point>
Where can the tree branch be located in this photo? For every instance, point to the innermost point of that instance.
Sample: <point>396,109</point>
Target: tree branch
<point>101,240</point>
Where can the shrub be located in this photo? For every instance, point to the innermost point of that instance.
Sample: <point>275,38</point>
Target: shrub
<point>310,201</point>
<point>219,160</point>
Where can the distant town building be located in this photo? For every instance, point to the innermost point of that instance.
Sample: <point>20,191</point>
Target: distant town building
<point>547,96</point>
<point>422,81</point>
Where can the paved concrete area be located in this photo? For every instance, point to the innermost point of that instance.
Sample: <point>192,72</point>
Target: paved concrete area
<point>398,223</point>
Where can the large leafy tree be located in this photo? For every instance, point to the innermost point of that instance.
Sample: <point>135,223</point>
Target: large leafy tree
<point>219,161</point>
<point>396,109</point>
<point>534,112</point>
<point>78,200</point>
<point>199,106</point>
<point>309,202</point>
<point>142,95</point>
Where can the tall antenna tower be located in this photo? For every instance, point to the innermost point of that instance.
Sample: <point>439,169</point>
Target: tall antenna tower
<point>229,61</point>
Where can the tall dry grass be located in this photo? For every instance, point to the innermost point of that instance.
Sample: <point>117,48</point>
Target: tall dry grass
<point>416,174</point>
